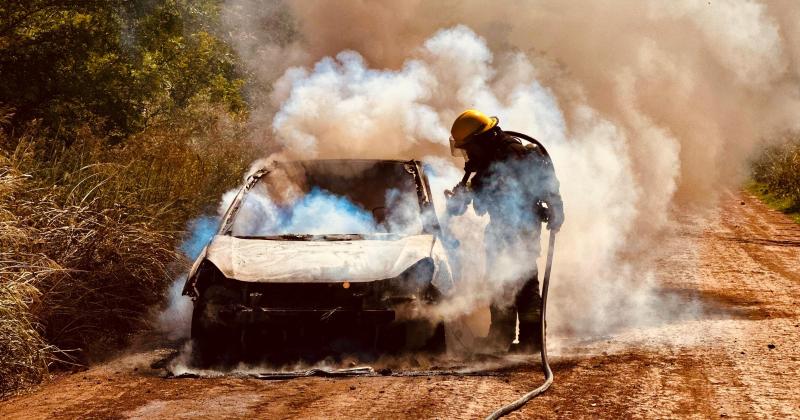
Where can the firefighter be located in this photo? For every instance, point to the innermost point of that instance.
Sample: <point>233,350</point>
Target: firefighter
<point>515,183</point>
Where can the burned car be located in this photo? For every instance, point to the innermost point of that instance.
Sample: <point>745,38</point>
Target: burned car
<point>318,258</point>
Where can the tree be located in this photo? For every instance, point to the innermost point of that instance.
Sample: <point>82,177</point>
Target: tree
<point>112,64</point>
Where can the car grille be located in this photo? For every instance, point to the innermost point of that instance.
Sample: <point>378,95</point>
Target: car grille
<point>316,295</point>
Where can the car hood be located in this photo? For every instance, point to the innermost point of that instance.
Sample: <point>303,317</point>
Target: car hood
<point>277,261</point>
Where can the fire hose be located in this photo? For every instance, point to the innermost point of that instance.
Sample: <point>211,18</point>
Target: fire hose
<point>548,373</point>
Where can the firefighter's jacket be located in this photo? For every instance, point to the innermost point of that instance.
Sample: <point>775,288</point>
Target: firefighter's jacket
<point>512,183</point>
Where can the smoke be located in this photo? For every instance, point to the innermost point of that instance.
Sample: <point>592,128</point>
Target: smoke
<point>321,212</point>
<point>360,120</point>
<point>201,229</point>
<point>645,106</point>
<point>707,78</point>
<point>380,114</point>
<point>176,319</point>
<point>329,198</point>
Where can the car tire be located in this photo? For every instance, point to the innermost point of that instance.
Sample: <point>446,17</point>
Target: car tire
<point>413,336</point>
<point>437,343</point>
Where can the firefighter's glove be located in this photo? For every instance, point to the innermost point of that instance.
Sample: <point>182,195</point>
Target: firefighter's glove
<point>457,200</point>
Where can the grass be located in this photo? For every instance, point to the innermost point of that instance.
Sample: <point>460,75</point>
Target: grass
<point>781,203</point>
<point>74,277</point>
<point>26,355</point>
<point>776,175</point>
<point>89,235</point>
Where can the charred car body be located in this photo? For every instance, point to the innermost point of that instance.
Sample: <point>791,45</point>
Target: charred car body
<point>318,258</point>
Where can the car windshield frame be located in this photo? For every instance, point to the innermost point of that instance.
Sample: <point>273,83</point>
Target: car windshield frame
<point>427,213</point>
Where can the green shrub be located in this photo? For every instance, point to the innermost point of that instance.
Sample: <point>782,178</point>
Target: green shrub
<point>120,64</point>
<point>778,169</point>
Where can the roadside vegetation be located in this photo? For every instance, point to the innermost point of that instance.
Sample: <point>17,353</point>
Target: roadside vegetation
<point>119,122</point>
<point>776,176</point>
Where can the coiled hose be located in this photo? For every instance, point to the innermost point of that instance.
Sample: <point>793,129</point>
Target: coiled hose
<point>548,373</point>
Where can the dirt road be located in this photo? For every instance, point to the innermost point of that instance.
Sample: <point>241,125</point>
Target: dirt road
<point>739,358</point>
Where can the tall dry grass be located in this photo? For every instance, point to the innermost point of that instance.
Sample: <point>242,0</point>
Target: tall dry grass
<point>89,232</point>
<point>26,354</point>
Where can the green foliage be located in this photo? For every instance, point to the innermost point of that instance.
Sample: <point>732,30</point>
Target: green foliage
<point>784,205</point>
<point>777,171</point>
<point>116,64</point>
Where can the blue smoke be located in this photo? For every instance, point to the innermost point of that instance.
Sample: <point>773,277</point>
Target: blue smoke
<point>321,212</point>
<point>318,212</point>
<point>201,230</point>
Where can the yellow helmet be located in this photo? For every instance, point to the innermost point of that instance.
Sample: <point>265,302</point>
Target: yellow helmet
<point>469,123</point>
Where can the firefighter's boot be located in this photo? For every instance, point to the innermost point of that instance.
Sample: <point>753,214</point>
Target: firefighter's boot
<point>529,305</point>
<point>502,328</point>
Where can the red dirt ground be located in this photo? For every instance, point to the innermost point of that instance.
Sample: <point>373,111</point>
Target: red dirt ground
<point>741,359</point>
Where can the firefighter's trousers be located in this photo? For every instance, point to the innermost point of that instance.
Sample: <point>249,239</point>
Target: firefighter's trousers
<point>519,297</point>
<point>527,306</point>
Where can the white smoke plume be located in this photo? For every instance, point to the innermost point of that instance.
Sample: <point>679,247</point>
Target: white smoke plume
<point>341,108</point>
<point>643,105</point>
